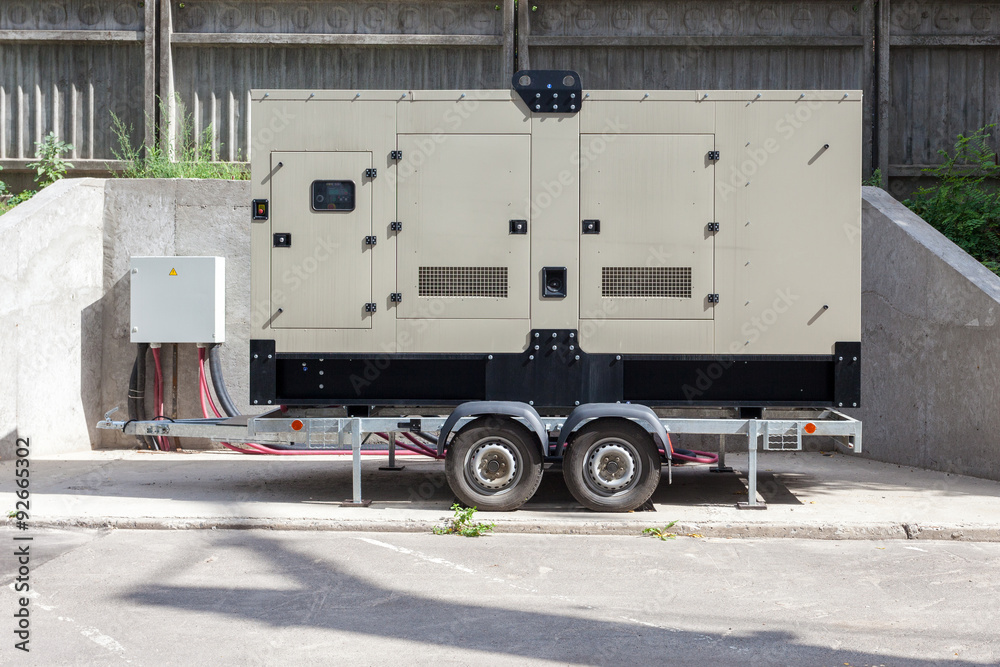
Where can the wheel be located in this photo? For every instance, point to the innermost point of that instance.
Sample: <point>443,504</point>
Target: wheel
<point>494,464</point>
<point>612,465</point>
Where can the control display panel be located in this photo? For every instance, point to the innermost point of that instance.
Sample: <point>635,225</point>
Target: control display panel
<point>333,195</point>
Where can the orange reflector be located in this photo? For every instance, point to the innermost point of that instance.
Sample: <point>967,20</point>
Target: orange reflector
<point>810,428</point>
<point>297,425</point>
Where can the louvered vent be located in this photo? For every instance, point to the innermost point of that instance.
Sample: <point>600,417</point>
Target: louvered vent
<point>646,281</point>
<point>463,281</point>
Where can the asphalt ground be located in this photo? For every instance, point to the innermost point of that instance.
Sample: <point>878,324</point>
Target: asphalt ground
<point>259,597</point>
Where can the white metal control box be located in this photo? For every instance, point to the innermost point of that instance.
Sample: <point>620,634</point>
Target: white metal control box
<point>178,299</point>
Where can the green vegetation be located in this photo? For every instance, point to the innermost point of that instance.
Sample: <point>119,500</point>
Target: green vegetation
<point>661,533</point>
<point>961,204</point>
<point>874,180</point>
<point>461,524</point>
<point>189,157</point>
<point>49,168</point>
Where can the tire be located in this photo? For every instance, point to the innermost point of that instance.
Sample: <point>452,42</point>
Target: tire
<point>494,464</point>
<point>612,465</point>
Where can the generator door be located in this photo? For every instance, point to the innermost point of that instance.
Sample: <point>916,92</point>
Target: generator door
<point>321,212</point>
<point>464,247</point>
<point>648,252</point>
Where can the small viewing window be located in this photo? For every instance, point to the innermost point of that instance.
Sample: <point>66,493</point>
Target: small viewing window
<point>333,195</point>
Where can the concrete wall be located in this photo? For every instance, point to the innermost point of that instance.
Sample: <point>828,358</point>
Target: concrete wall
<point>930,346</point>
<point>65,356</point>
<point>931,368</point>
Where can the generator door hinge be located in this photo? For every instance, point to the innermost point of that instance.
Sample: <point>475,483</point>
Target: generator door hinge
<point>395,155</point>
<point>713,298</point>
<point>371,173</point>
<point>713,155</point>
<point>396,297</point>
<point>713,226</point>
<point>371,240</point>
<point>369,307</point>
<point>396,226</point>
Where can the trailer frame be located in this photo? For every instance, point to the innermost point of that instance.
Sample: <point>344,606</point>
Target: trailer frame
<point>288,427</point>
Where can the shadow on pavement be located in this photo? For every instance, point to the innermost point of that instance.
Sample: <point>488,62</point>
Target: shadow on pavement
<point>329,599</point>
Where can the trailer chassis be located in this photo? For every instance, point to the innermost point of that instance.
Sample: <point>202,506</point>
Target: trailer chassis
<point>306,429</point>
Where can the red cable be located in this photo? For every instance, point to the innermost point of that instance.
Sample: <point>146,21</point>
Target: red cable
<point>203,381</point>
<point>254,448</point>
<point>158,396</point>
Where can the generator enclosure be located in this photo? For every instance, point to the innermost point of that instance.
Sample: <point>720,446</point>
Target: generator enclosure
<point>178,299</point>
<point>556,245</point>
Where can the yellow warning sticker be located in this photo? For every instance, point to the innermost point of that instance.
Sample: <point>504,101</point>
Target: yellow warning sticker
<point>173,272</point>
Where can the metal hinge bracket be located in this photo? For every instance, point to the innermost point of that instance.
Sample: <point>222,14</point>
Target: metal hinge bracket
<point>371,240</point>
<point>369,307</point>
<point>396,297</point>
<point>396,226</point>
<point>713,155</point>
<point>713,298</point>
<point>395,155</point>
<point>371,173</point>
<point>713,226</point>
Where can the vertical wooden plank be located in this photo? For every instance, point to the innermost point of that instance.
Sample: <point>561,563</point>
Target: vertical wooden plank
<point>39,113</point>
<point>90,118</point>
<point>20,115</point>
<point>507,64</point>
<point>231,141</point>
<point>882,68</point>
<point>3,121</point>
<point>867,59</point>
<point>523,31</point>
<point>56,127</point>
<point>149,72</point>
<point>213,126</point>
<point>168,125</point>
<point>74,121</point>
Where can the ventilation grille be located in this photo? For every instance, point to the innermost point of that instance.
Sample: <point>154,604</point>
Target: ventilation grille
<point>646,281</point>
<point>467,281</point>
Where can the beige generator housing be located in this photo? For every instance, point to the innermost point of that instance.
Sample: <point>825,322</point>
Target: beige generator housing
<point>556,246</point>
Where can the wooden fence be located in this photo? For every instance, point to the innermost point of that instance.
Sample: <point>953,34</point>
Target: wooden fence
<point>929,70</point>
